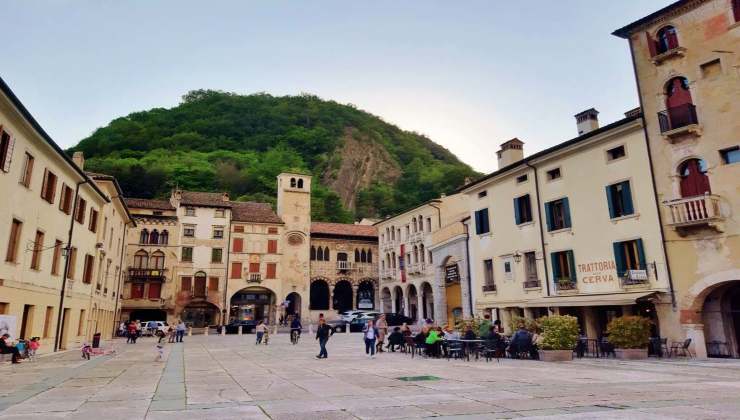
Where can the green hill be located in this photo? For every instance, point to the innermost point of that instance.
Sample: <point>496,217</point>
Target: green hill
<point>216,141</point>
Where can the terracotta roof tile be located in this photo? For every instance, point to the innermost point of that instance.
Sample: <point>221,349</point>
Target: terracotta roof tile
<point>206,199</point>
<point>343,229</point>
<point>145,203</point>
<point>249,211</point>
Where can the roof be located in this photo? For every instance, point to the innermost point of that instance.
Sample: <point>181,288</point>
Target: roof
<point>203,199</point>
<point>343,229</point>
<point>145,203</point>
<point>116,185</point>
<point>553,149</point>
<point>625,31</point>
<point>250,211</point>
<point>410,209</point>
<point>44,135</point>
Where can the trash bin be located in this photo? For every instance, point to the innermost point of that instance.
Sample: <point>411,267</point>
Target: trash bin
<point>96,340</point>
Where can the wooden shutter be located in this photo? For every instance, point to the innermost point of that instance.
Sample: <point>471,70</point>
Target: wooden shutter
<point>517,214</point>
<point>236,270</point>
<point>137,290</point>
<point>238,245</point>
<point>609,201</point>
<point>213,283</point>
<point>272,246</point>
<point>619,258</point>
<point>6,151</point>
<point>155,290</point>
<point>271,270</point>
<point>555,266</point>
<point>572,266</point>
<point>186,284</point>
<point>641,255</point>
<point>627,198</point>
<point>254,267</point>
<point>272,230</point>
<point>651,44</point>
<point>548,216</point>
<point>566,213</point>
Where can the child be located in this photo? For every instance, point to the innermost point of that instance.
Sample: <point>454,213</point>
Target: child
<point>32,347</point>
<point>86,351</point>
<point>171,334</point>
<point>160,353</point>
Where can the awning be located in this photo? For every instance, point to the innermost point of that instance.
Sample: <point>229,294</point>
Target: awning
<point>611,299</point>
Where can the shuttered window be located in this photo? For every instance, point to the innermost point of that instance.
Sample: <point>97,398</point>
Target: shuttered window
<point>38,247</point>
<point>155,290</point>
<point>522,209</point>
<point>65,204</point>
<point>272,246</point>
<point>81,207</point>
<point>236,270</point>
<point>271,270</point>
<point>254,267</point>
<point>49,186</point>
<point>186,284</point>
<point>482,224</point>
<point>557,214</point>
<point>629,255</point>
<point>238,245</point>
<point>563,266</point>
<point>619,199</point>
<point>6,149</point>
<point>27,171</point>
<point>137,290</point>
<point>11,255</point>
<point>87,272</point>
<point>213,283</point>
<point>93,220</point>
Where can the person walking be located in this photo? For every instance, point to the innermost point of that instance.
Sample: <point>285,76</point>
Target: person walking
<point>323,332</point>
<point>370,334</point>
<point>170,334</point>
<point>179,331</point>
<point>133,333</point>
<point>382,326</point>
<point>260,331</point>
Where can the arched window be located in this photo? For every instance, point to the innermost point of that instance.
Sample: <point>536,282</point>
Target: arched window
<point>413,222</point>
<point>393,259</point>
<point>157,260</point>
<point>292,183</point>
<point>164,237</point>
<point>370,255</point>
<point>393,233</point>
<point>363,256</point>
<point>326,254</point>
<point>667,39</point>
<point>694,179</point>
<point>141,259</point>
<point>421,223</point>
<point>144,237</point>
<point>416,254</point>
<point>154,237</point>
<point>313,253</point>
<point>300,182</point>
<point>320,254</point>
<point>357,255</point>
<point>680,110</point>
<point>421,252</point>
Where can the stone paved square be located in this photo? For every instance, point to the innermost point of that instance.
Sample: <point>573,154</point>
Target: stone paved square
<point>231,378</point>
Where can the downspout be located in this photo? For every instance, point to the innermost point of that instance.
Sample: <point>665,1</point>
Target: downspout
<point>542,231</point>
<point>58,338</point>
<point>439,215</point>
<point>225,309</point>
<point>652,179</point>
<point>118,280</point>
<point>467,263</point>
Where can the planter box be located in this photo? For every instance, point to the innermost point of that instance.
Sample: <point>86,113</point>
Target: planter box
<point>556,355</point>
<point>631,354</point>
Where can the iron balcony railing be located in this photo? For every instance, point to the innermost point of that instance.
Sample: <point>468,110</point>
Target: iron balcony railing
<point>530,284</point>
<point>565,284</point>
<point>489,287</point>
<point>146,273</point>
<point>677,117</point>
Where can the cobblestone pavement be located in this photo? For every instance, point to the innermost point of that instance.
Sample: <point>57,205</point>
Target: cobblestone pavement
<point>229,377</point>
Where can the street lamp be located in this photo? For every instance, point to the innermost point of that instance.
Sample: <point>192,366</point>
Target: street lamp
<point>517,257</point>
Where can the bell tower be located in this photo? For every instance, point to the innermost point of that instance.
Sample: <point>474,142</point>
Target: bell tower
<point>294,201</point>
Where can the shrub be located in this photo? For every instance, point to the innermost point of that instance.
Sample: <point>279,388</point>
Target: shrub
<point>559,332</point>
<point>531,325</point>
<point>629,332</point>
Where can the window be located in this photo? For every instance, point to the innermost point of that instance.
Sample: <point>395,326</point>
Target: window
<point>558,214</point>
<point>6,150</point>
<point>271,271</point>
<point>236,270</point>
<point>482,222</point>
<point>213,283</point>
<point>87,271</point>
<point>154,237</point>
<point>667,39</point>
<point>272,230</point>
<point>563,266</point>
<point>507,267</point>
<point>254,267</point>
<point>157,260</point>
<point>144,236</point>
<point>730,155</point>
<point>38,247</point>
<point>11,255</point>
<point>292,183</point>
<point>189,211</point>
<point>238,245</point>
<point>72,257</point>
<point>137,290</point>
<point>187,254</point>
<point>93,220</point>
<point>370,255</point>
<point>164,237</point>
<point>615,153</point>
<point>553,174</point>
<point>300,183</point>
<point>521,178</point>
<point>272,246</point>
<point>155,290</point>
<point>221,213</point>
<point>629,255</point>
<point>27,171</point>
<point>357,256</point>
<point>186,284</point>
<point>736,10</point>
<point>429,224</point>
<point>239,228</point>
<point>65,204</point>
<point>313,253</point>
<point>56,256</point>
<point>482,194</point>
<point>216,255</point>
<point>488,272</point>
<point>218,232</point>
<point>619,198</point>
<point>522,209</point>
<point>188,231</point>
<point>530,268</point>
<point>81,207</point>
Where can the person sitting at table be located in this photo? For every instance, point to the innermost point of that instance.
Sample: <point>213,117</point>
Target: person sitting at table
<point>405,330</point>
<point>450,334</point>
<point>432,343</point>
<point>497,325</point>
<point>496,341</point>
<point>469,334</point>
<point>420,338</point>
<point>395,339</point>
<point>521,342</point>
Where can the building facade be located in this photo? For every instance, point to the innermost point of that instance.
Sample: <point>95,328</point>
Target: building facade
<point>60,264</point>
<point>571,230</point>
<point>686,58</point>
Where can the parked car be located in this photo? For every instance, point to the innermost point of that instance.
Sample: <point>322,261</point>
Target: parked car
<point>248,325</point>
<point>161,326</point>
<point>339,325</point>
<point>348,316</point>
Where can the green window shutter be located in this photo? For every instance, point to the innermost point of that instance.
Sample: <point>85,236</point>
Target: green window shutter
<point>627,198</point>
<point>517,215</point>
<point>609,189</point>
<point>477,222</point>
<point>641,255</point>
<point>566,212</point>
<point>572,264</point>
<point>555,266</point>
<point>619,259</point>
<point>548,216</point>
<point>486,220</point>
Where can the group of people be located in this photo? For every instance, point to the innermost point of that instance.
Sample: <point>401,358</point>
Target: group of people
<point>132,330</point>
<point>21,349</point>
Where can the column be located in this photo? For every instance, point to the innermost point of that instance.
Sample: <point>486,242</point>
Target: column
<point>465,292</point>
<point>590,322</point>
<point>506,320</point>
<point>355,302</point>
<point>419,306</point>
<point>698,344</point>
<point>528,313</point>
<point>439,295</point>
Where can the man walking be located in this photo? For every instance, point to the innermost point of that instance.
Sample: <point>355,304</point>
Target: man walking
<point>180,331</point>
<point>323,332</point>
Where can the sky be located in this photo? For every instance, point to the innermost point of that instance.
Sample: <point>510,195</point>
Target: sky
<point>468,74</point>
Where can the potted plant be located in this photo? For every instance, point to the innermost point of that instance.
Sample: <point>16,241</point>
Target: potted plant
<point>630,336</point>
<point>559,338</point>
<point>530,324</point>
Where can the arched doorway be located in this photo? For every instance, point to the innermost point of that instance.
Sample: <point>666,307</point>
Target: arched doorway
<point>721,319</point>
<point>293,304</point>
<point>342,296</point>
<point>253,303</point>
<point>694,179</point>
<point>366,295</point>
<point>319,295</point>
<point>398,306</point>
<point>386,300</point>
<point>200,314</point>
<point>453,291</point>
<point>427,301</point>
<point>413,298</point>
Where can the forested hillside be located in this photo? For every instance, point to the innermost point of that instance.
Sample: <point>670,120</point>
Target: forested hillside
<point>217,141</point>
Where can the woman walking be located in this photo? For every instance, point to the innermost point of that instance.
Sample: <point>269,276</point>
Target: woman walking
<point>370,334</point>
<point>382,332</point>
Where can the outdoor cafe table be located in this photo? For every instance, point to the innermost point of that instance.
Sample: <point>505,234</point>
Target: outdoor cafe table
<point>467,344</point>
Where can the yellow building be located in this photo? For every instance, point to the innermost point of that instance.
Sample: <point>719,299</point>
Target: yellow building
<point>686,58</point>
<point>572,229</point>
<point>57,245</point>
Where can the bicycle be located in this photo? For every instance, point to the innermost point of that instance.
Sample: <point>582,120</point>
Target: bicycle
<point>294,336</point>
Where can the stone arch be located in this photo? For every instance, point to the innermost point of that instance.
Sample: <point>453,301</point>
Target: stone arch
<point>427,301</point>
<point>366,290</point>
<point>342,296</point>
<point>319,294</point>
<point>413,302</point>
<point>386,301</point>
<point>398,304</point>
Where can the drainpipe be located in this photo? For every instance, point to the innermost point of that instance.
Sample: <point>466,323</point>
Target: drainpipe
<point>58,338</point>
<point>439,215</point>
<point>467,263</point>
<point>542,231</point>
<point>652,179</point>
<point>226,308</point>
<point>118,280</point>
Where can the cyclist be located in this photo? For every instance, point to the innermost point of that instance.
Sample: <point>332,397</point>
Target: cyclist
<point>295,329</point>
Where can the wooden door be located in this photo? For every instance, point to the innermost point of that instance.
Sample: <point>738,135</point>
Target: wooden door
<point>678,102</point>
<point>200,286</point>
<point>694,180</point>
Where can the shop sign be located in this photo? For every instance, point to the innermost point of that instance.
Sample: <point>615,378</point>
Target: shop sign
<point>637,274</point>
<point>598,272</point>
<point>452,273</point>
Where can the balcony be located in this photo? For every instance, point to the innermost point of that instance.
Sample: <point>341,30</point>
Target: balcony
<point>565,285</point>
<point>668,54</point>
<point>416,268</point>
<point>254,278</point>
<point>146,274</point>
<point>532,284</point>
<point>635,278</point>
<point>679,121</point>
<point>345,265</point>
<point>415,237</point>
<point>702,210</point>
<point>388,274</point>
<point>489,288</point>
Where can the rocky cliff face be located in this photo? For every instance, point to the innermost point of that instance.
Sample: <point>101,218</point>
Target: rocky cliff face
<point>356,164</point>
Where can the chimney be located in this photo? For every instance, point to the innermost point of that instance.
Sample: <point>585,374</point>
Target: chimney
<point>587,120</point>
<point>511,151</point>
<point>633,113</point>
<point>225,197</point>
<point>79,159</point>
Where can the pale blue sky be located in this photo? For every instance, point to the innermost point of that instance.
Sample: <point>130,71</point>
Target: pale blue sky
<point>469,74</point>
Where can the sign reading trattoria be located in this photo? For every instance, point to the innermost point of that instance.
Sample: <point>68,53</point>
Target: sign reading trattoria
<point>598,272</point>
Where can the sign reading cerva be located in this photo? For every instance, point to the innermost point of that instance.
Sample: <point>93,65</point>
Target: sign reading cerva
<point>598,272</point>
